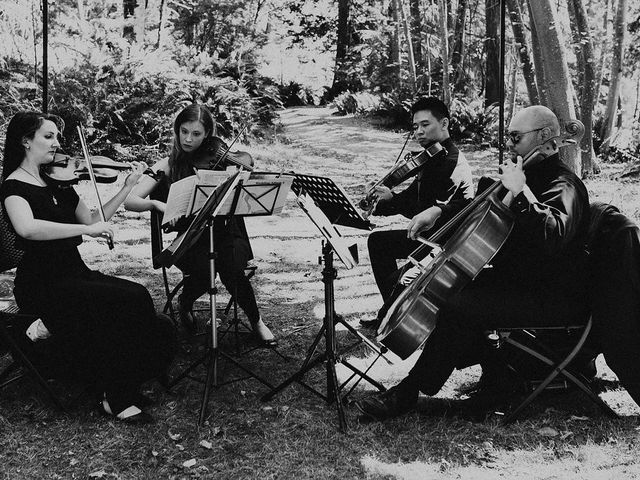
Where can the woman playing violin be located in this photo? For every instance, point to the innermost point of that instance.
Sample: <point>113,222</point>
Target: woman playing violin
<point>105,326</point>
<point>195,146</point>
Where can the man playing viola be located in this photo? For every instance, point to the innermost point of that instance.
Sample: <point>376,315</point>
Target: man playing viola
<point>539,276</point>
<point>442,187</point>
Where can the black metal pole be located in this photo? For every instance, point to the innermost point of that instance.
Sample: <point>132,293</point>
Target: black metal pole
<point>45,56</point>
<point>501,144</point>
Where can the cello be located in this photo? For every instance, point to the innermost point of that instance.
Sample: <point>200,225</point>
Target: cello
<point>482,228</point>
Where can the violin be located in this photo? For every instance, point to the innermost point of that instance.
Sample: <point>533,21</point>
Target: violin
<point>401,171</point>
<point>65,170</point>
<point>217,155</point>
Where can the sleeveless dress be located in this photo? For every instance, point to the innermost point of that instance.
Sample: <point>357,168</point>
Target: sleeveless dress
<point>105,326</point>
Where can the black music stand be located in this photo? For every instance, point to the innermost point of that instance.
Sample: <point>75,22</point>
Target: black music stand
<point>230,198</point>
<point>326,204</point>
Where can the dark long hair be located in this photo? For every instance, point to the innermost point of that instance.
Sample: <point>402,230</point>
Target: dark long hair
<point>23,125</point>
<point>180,164</point>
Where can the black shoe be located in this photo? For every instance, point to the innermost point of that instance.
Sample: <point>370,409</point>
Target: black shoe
<point>392,403</point>
<point>186,317</point>
<point>372,324</point>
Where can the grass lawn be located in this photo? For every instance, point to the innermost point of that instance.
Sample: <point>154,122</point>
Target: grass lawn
<point>296,436</point>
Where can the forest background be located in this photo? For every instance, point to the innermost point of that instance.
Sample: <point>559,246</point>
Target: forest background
<point>124,69</point>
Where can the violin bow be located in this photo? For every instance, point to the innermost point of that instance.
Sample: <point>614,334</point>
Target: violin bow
<point>92,176</point>
<point>228,149</point>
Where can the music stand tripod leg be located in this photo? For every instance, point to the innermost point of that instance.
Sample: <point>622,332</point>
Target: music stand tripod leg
<point>212,343</point>
<point>329,273</point>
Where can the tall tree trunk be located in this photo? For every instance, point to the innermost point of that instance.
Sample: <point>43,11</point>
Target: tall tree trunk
<point>556,72</point>
<point>457,53</point>
<point>604,49</point>
<point>407,35</point>
<point>140,21</point>
<point>522,45</point>
<point>159,43</point>
<point>416,34</point>
<point>513,86</point>
<point>492,53</point>
<point>619,29</point>
<point>342,44</point>
<point>586,82</point>
<point>81,14</point>
<point>128,11</point>
<point>395,58</point>
<point>536,50</point>
<point>444,49</point>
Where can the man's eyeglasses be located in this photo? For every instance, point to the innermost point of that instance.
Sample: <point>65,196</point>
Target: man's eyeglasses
<point>515,137</point>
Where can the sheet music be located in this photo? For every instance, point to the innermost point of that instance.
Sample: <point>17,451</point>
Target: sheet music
<point>207,183</point>
<point>179,199</point>
<point>189,194</point>
<point>262,193</point>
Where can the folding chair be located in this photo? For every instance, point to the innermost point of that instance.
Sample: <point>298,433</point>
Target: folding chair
<point>170,293</point>
<point>559,359</point>
<point>548,358</point>
<point>13,324</point>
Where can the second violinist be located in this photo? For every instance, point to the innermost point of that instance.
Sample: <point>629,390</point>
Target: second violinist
<point>442,187</point>
<point>194,147</point>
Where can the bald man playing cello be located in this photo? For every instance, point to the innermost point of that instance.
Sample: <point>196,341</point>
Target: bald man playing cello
<point>538,277</point>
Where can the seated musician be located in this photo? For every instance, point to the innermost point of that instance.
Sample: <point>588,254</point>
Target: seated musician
<point>106,327</point>
<point>442,187</point>
<point>194,139</point>
<point>539,276</point>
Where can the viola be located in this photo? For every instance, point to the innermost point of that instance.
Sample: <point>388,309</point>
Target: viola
<point>217,155</point>
<point>481,229</point>
<point>65,170</point>
<point>402,171</point>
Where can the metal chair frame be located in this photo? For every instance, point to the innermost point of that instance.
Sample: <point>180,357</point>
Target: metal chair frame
<point>557,367</point>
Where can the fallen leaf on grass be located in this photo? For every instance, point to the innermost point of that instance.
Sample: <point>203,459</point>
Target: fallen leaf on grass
<point>206,444</point>
<point>179,447</point>
<point>548,432</point>
<point>189,463</point>
<point>266,409</point>
<point>575,417</point>
<point>73,462</point>
<point>98,474</point>
<point>174,436</point>
<point>154,453</point>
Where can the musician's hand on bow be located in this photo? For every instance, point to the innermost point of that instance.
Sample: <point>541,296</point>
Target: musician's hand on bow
<point>512,176</point>
<point>382,193</point>
<point>100,229</point>
<point>423,221</point>
<point>137,170</point>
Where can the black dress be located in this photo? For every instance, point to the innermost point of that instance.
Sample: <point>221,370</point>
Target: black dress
<point>105,326</point>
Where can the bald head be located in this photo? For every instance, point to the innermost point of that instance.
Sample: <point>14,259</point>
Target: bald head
<point>536,116</point>
<point>530,127</point>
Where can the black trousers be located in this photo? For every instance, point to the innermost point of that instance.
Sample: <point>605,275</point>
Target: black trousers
<point>232,256</point>
<point>385,249</point>
<point>458,340</point>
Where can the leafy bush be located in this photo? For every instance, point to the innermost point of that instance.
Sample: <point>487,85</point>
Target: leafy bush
<point>472,122</point>
<point>294,95</point>
<point>359,103</point>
